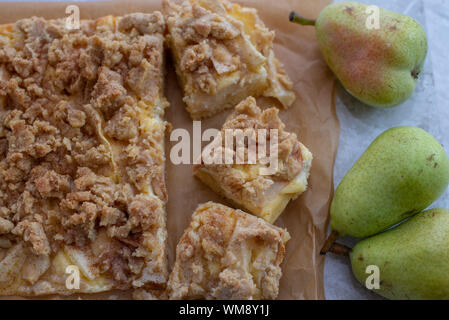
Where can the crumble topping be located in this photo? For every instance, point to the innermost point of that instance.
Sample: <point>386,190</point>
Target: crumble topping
<point>227,254</point>
<point>243,182</point>
<point>216,44</point>
<point>81,145</point>
<point>204,44</point>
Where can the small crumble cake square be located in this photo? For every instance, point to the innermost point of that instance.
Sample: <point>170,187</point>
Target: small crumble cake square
<point>227,254</point>
<point>223,53</point>
<point>82,156</point>
<point>264,195</point>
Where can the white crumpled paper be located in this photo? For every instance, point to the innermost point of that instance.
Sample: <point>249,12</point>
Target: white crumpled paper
<point>428,108</point>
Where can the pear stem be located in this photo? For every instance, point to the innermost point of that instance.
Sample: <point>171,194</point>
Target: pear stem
<point>296,18</point>
<point>329,242</point>
<point>340,249</point>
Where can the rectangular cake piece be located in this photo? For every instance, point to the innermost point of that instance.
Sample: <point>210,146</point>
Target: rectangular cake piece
<point>260,185</point>
<point>227,254</point>
<point>82,189</point>
<point>223,53</point>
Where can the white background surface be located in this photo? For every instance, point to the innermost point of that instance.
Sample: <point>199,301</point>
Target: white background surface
<point>428,108</point>
<point>360,125</point>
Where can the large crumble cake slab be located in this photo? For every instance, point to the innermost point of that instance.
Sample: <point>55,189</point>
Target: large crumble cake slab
<point>82,155</point>
<point>223,53</point>
<point>262,186</point>
<point>227,254</point>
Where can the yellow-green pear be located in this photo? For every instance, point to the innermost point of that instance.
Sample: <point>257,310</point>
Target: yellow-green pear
<point>376,54</point>
<point>403,171</point>
<point>410,261</point>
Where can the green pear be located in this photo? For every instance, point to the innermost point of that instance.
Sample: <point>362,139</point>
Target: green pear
<point>379,60</point>
<point>412,259</point>
<point>403,171</point>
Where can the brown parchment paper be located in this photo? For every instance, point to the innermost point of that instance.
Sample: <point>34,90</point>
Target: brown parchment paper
<point>312,118</point>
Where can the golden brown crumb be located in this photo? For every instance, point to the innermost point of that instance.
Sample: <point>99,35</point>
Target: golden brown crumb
<point>227,254</point>
<point>82,156</point>
<point>244,184</point>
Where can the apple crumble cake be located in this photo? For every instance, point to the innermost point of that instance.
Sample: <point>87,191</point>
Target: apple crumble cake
<point>227,254</point>
<point>259,188</point>
<point>223,53</point>
<point>82,155</point>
